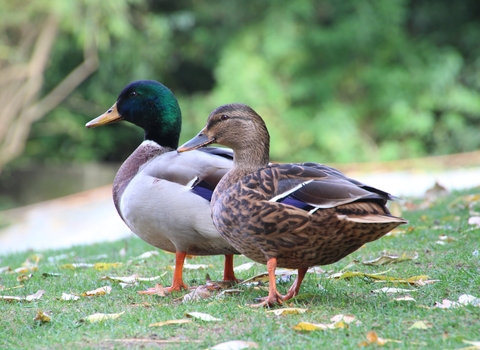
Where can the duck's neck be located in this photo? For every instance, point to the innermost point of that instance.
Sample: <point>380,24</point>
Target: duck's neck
<point>252,158</point>
<point>164,139</point>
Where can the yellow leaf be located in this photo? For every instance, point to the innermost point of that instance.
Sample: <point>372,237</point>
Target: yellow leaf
<point>307,326</point>
<point>99,317</point>
<point>202,316</point>
<point>98,291</point>
<point>287,311</point>
<point>161,324</point>
<point>420,325</point>
<point>42,317</point>
<point>106,266</point>
<point>373,338</point>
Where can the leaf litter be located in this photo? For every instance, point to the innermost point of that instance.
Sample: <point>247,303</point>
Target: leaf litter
<point>338,321</point>
<point>28,298</point>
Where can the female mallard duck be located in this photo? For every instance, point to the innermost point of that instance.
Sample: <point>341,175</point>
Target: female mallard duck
<point>288,215</point>
<point>162,196</point>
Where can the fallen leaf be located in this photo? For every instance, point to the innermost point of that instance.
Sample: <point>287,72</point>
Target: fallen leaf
<point>263,277</point>
<point>287,311</point>
<point>25,269</point>
<point>5,269</point>
<point>373,338</point>
<point>42,317</point>
<point>475,345</point>
<point>405,298</point>
<point>235,345</point>
<point>379,277</point>
<point>76,266</point>
<point>244,267</point>
<point>474,220</point>
<point>308,327</point>
<point>50,274</point>
<point>466,299</point>
<point>463,300</point>
<point>388,290</point>
<point>421,325</point>
<point>23,278</point>
<point>101,266</point>
<point>202,316</point>
<point>157,290</point>
<point>69,297</point>
<point>99,291</point>
<point>99,317</point>
<point>130,279</point>
<point>56,258</point>
<point>197,294</point>
<point>147,255</point>
<point>317,270</point>
<point>385,259</point>
<point>161,324</point>
<point>343,318</point>
<point>196,266</point>
<point>28,298</point>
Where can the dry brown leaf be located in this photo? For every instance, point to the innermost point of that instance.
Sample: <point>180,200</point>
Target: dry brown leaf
<point>235,345</point>
<point>287,311</point>
<point>99,317</point>
<point>197,294</point>
<point>164,323</point>
<point>157,290</point>
<point>99,291</point>
<point>42,317</point>
<point>202,316</point>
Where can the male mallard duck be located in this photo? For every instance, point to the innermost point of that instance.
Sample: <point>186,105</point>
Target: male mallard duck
<point>288,215</point>
<point>162,196</point>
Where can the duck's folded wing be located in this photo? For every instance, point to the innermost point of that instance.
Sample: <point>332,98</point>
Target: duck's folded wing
<point>309,187</point>
<point>198,170</point>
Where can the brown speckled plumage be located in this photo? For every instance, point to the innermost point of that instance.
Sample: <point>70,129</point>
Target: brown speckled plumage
<point>290,215</point>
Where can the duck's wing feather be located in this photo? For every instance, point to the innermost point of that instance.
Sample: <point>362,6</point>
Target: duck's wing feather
<point>310,185</point>
<point>200,171</point>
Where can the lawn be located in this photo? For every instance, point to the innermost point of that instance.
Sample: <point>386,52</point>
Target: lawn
<point>443,245</point>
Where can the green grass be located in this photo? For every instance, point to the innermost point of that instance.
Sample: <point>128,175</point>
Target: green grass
<point>454,264</point>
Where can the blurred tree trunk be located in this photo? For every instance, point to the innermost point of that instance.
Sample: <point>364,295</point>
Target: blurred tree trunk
<point>21,83</point>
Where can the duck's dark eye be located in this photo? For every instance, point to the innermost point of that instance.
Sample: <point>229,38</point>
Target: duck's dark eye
<point>224,117</point>
<point>133,94</point>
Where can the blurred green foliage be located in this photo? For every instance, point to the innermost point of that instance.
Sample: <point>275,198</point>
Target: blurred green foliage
<point>336,81</point>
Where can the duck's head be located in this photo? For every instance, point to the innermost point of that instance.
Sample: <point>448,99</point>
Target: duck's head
<point>236,126</point>
<point>149,105</point>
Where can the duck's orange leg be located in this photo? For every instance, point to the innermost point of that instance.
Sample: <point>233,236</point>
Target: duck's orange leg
<point>295,288</point>
<point>228,274</point>
<point>177,283</point>
<point>273,296</point>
